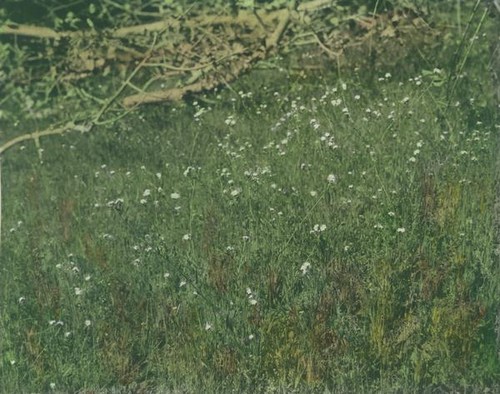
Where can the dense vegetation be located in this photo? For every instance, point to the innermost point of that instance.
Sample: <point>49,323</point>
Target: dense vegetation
<point>302,230</point>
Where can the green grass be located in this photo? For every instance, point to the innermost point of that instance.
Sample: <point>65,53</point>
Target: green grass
<point>166,252</point>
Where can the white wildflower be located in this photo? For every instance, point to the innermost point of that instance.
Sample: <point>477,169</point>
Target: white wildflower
<point>305,267</point>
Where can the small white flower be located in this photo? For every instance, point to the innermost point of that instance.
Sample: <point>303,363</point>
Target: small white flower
<point>21,300</point>
<point>166,275</point>
<point>78,291</point>
<point>175,196</point>
<point>52,386</point>
<point>186,237</point>
<point>235,192</point>
<point>401,230</point>
<point>246,238</point>
<point>182,283</point>
<point>143,201</point>
<point>250,337</point>
<point>252,301</point>
<point>88,323</point>
<point>305,267</point>
<point>158,175</point>
<point>67,334</point>
<point>318,228</point>
<point>313,193</point>
<point>331,178</point>
<point>208,326</point>
<point>146,193</point>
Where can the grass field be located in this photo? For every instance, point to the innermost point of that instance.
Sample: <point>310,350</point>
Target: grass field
<point>295,234</point>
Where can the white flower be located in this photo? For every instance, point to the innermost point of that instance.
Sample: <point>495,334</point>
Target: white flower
<point>188,170</point>
<point>166,275</point>
<point>186,237</point>
<point>146,193</point>
<point>88,323</point>
<point>175,196</point>
<point>305,267</point>
<point>253,301</point>
<point>208,326</point>
<point>183,283</point>
<point>318,228</point>
<point>313,193</point>
<point>78,291</point>
<point>235,192</point>
<point>401,230</point>
<point>331,178</point>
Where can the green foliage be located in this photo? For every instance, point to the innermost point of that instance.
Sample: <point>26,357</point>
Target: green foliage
<point>293,233</point>
<point>171,246</point>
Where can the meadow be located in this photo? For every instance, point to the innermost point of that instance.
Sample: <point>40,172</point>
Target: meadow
<point>294,233</point>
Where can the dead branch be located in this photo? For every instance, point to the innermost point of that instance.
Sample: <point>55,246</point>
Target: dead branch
<point>208,83</point>
<point>33,31</point>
